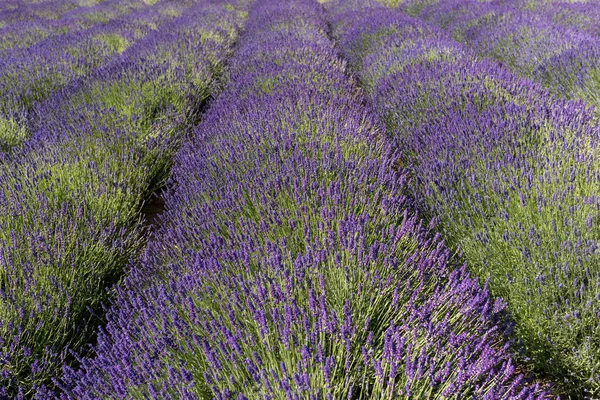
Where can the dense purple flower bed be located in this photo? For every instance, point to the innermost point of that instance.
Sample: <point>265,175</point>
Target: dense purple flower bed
<point>30,74</point>
<point>24,24</point>
<point>510,173</point>
<point>71,198</point>
<point>289,262</point>
<point>554,43</point>
<point>363,199</point>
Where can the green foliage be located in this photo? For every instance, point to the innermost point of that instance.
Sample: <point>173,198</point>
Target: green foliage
<point>12,133</point>
<point>590,90</point>
<point>115,43</point>
<point>97,17</point>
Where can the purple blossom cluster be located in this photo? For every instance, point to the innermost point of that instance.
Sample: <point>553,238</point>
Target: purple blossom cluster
<point>289,262</point>
<point>554,43</point>
<point>71,199</point>
<point>508,171</point>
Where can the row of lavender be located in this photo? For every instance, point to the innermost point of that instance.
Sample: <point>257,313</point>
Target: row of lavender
<point>23,24</point>
<point>71,203</point>
<point>30,74</point>
<point>12,11</point>
<point>553,43</point>
<point>511,173</point>
<point>288,263</point>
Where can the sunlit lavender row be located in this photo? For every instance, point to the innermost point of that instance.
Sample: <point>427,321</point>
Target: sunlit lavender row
<point>71,199</point>
<point>31,73</point>
<point>510,172</point>
<point>23,24</point>
<point>554,43</point>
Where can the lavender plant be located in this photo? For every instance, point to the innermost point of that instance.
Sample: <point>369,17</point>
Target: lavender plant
<point>22,11</point>
<point>73,198</point>
<point>62,17</point>
<point>509,172</point>
<point>552,43</point>
<point>289,263</point>
<point>31,74</point>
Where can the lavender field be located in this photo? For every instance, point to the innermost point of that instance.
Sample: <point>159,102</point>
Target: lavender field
<point>299,199</point>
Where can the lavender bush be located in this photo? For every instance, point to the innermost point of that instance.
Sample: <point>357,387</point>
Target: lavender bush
<point>29,75</point>
<point>289,263</point>
<point>41,21</point>
<point>14,11</point>
<point>553,43</point>
<point>71,199</point>
<point>508,171</point>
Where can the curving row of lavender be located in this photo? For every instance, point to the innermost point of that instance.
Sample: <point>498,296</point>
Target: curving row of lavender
<point>510,173</point>
<point>30,74</point>
<point>14,11</point>
<point>71,202</point>
<point>554,43</point>
<point>289,263</point>
<point>23,24</point>
<point>32,22</point>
